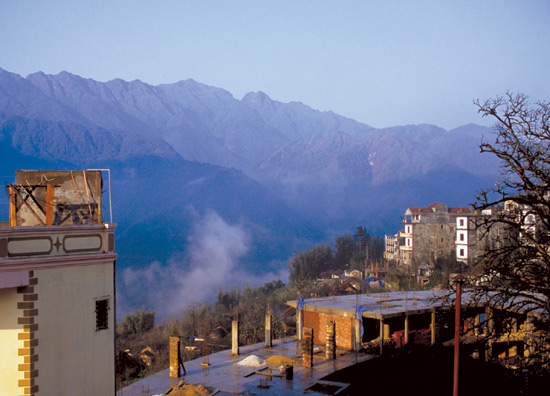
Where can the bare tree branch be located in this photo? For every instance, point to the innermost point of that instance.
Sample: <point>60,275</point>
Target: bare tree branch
<point>514,271</point>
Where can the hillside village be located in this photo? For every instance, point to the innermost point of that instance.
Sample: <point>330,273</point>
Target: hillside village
<point>261,198</point>
<point>466,280</point>
<point>56,242</point>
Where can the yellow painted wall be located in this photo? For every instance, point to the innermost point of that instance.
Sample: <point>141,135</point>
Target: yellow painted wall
<point>74,358</point>
<point>8,342</point>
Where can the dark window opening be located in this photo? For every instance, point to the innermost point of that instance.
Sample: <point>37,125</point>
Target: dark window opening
<point>102,314</point>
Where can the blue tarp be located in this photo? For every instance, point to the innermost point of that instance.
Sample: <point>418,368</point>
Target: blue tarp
<point>359,316</point>
<point>300,305</point>
<point>373,279</point>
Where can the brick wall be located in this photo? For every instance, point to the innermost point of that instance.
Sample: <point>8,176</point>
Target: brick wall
<point>174,357</point>
<point>344,328</point>
<point>28,337</point>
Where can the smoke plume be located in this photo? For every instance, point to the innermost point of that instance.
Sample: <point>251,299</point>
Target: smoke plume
<point>212,261</point>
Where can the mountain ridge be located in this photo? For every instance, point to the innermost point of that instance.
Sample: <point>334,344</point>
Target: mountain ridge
<point>290,175</point>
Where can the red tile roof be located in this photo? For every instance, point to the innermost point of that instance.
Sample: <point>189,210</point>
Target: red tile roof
<point>420,210</point>
<point>430,209</point>
<point>460,210</point>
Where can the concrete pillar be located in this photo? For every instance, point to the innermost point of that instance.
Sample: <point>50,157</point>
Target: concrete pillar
<point>477,322</point>
<point>331,341</point>
<point>307,347</point>
<point>489,333</point>
<point>387,332</point>
<point>268,332</point>
<point>406,329</point>
<point>381,337</point>
<point>477,326</point>
<point>175,357</point>
<point>433,328</point>
<point>299,323</point>
<point>357,341</point>
<point>489,321</point>
<point>529,348</point>
<point>235,337</point>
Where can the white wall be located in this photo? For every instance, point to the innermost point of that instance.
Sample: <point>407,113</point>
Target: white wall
<point>74,358</point>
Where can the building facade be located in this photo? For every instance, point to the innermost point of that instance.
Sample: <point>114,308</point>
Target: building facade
<point>472,237</point>
<point>429,234</point>
<point>391,246</point>
<point>439,232</point>
<point>57,287</point>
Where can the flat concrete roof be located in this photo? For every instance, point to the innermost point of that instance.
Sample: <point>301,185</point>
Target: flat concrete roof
<point>224,376</point>
<point>376,305</point>
<point>393,304</point>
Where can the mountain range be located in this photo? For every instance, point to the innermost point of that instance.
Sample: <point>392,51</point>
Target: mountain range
<point>290,175</point>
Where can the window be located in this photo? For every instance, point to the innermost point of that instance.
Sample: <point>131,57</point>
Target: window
<point>102,314</point>
<point>461,236</point>
<point>441,226</point>
<point>461,222</point>
<point>441,239</point>
<point>462,253</point>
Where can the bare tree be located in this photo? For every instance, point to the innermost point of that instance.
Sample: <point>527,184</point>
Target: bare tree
<point>514,271</point>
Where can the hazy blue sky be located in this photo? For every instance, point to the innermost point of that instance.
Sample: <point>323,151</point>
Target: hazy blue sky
<point>384,63</point>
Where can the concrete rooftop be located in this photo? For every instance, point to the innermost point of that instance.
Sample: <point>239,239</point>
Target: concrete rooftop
<point>376,305</point>
<point>223,376</point>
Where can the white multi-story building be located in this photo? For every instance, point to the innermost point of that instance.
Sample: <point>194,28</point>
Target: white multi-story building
<point>471,235</point>
<point>392,245</point>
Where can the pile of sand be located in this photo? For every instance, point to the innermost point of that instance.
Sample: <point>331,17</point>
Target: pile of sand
<point>182,389</point>
<point>252,361</point>
<point>281,360</point>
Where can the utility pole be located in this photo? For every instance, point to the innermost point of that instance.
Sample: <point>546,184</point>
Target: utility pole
<point>458,279</point>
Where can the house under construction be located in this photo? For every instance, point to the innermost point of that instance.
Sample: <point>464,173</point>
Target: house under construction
<point>396,319</point>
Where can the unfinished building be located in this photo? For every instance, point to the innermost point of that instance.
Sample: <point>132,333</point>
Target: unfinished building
<point>393,320</point>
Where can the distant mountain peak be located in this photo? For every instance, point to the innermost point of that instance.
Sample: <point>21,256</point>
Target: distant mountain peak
<point>192,85</point>
<point>258,96</point>
<point>313,170</point>
<point>262,103</point>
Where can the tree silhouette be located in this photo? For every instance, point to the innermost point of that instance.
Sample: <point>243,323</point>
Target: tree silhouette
<point>514,271</point>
